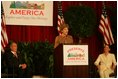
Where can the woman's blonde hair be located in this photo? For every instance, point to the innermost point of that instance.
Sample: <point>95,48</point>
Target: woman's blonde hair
<point>64,25</point>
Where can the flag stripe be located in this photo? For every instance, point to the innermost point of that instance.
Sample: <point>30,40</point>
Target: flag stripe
<point>105,29</point>
<point>60,17</point>
<point>4,38</point>
<point>108,31</point>
<point>105,36</point>
<point>105,33</point>
<point>109,28</point>
<point>2,42</point>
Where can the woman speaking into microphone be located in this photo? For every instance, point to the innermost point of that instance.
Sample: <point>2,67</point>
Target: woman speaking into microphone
<point>64,38</point>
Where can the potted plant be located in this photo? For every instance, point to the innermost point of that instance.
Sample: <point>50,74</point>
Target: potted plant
<point>41,58</point>
<point>81,20</point>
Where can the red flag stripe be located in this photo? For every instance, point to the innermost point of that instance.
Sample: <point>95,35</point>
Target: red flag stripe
<point>105,29</point>
<point>3,32</point>
<point>108,31</point>
<point>60,17</point>
<point>109,28</point>
<point>60,21</point>
<point>102,31</point>
<point>2,42</point>
<point>2,49</point>
<point>4,38</point>
<point>2,45</point>
<point>105,33</point>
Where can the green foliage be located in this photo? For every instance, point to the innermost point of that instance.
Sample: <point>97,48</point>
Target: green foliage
<point>42,52</point>
<point>81,19</point>
<point>51,68</point>
<point>38,56</point>
<point>24,48</point>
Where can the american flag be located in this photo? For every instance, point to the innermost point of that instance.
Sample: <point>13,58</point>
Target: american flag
<point>60,17</point>
<point>4,37</point>
<point>105,28</point>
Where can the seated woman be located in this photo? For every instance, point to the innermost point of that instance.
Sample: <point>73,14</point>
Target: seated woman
<point>106,63</point>
<point>64,38</point>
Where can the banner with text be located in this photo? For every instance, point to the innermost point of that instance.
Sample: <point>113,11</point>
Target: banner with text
<point>75,54</point>
<point>38,13</point>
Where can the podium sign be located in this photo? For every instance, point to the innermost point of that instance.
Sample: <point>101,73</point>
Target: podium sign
<point>71,61</point>
<point>75,54</point>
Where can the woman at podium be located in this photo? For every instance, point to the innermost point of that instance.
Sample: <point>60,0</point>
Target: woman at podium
<point>64,38</point>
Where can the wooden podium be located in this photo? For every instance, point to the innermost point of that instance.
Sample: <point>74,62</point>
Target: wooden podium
<point>68,71</point>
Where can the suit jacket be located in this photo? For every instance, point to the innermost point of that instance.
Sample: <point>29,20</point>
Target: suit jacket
<point>63,40</point>
<point>13,62</point>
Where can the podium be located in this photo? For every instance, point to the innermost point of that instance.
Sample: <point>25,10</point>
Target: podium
<point>70,68</point>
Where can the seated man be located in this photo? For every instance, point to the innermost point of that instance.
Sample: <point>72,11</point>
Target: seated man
<point>14,62</point>
<point>106,63</point>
